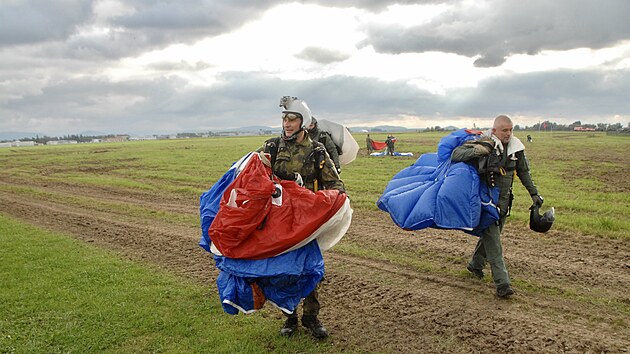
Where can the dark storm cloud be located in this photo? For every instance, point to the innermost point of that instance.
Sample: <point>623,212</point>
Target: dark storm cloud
<point>148,25</point>
<point>497,29</point>
<point>560,94</point>
<point>176,21</point>
<point>23,22</point>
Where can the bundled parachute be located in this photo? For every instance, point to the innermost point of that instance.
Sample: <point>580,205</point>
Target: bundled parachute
<point>433,192</point>
<point>267,235</point>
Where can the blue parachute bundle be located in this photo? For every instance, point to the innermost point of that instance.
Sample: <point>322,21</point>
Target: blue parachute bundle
<point>433,192</point>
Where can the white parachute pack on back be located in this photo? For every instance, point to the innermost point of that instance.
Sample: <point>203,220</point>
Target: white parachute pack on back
<point>341,137</point>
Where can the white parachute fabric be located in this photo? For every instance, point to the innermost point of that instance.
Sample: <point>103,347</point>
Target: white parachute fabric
<point>341,137</point>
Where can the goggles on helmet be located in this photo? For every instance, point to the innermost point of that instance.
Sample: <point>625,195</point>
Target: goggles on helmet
<point>291,116</point>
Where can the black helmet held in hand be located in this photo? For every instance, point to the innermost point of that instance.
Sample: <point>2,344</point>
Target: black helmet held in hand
<point>541,223</point>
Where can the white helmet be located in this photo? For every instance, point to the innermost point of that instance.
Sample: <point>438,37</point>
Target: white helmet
<point>295,105</point>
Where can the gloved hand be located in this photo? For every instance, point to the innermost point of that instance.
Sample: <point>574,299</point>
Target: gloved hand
<point>537,199</point>
<point>298,179</point>
<point>481,149</point>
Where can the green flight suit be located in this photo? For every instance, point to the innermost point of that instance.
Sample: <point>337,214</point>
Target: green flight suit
<point>488,248</point>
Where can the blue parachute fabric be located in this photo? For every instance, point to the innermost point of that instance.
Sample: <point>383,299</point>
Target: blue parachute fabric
<point>427,160</point>
<point>448,143</point>
<point>285,279</point>
<point>489,209</point>
<point>465,205</point>
<point>435,193</point>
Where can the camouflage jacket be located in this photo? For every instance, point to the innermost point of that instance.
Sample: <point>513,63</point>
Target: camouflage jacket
<point>307,158</point>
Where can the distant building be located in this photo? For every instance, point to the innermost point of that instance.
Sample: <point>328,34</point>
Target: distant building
<point>138,138</point>
<point>583,129</point>
<point>117,139</point>
<point>23,143</point>
<point>61,142</point>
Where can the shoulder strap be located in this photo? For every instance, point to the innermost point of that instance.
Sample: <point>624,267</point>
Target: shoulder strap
<point>271,147</point>
<point>318,153</point>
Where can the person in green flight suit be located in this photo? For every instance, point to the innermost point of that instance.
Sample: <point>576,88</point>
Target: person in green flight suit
<point>368,144</point>
<point>295,156</point>
<point>512,160</point>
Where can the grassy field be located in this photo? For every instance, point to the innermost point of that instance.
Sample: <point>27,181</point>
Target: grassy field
<point>584,176</point>
<point>62,296</point>
<point>57,293</point>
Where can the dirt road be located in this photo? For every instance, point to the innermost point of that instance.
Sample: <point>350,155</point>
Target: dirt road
<point>411,292</point>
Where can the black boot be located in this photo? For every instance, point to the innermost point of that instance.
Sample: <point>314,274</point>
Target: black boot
<point>290,325</point>
<point>312,323</point>
<point>505,291</point>
<point>476,272</point>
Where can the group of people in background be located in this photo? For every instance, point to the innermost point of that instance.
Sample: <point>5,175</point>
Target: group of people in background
<point>389,145</point>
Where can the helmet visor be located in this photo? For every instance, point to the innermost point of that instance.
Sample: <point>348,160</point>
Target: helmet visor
<point>291,116</point>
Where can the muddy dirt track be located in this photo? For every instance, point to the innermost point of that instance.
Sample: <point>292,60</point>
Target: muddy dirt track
<point>411,294</point>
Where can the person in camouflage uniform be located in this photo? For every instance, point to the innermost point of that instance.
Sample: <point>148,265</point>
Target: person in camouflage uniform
<point>325,138</point>
<point>368,144</point>
<point>295,157</point>
<point>512,160</point>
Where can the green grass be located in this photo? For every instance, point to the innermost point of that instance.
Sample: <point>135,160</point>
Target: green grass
<point>60,295</point>
<point>581,175</point>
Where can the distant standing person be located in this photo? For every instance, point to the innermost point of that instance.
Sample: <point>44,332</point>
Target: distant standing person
<point>512,160</point>
<point>368,143</point>
<point>390,144</point>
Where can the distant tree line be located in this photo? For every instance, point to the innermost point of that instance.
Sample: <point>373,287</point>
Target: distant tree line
<point>548,125</point>
<point>81,138</point>
<point>76,137</point>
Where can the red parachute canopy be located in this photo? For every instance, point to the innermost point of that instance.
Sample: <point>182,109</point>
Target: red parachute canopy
<point>378,145</point>
<point>250,226</point>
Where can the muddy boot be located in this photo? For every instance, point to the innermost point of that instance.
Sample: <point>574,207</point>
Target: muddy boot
<point>312,323</point>
<point>290,325</point>
<point>476,272</point>
<point>504,291</point>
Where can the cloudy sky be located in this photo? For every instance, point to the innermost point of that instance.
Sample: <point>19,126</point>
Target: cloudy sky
<point>143,67</point>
